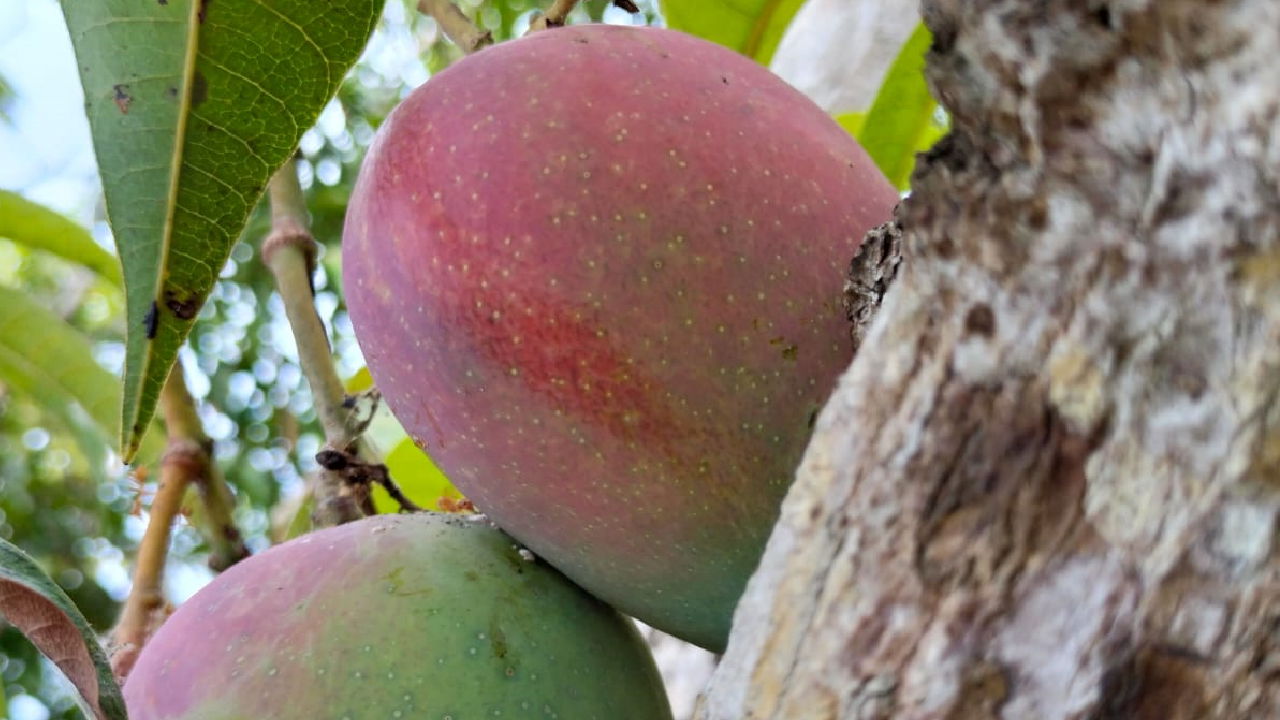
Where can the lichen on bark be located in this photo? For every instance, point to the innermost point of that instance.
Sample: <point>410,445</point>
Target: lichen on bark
<point>1048,485</point>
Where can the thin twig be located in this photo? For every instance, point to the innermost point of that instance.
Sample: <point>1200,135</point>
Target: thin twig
<point>187,439</point>
<point>464,33</point>
<point>358,472</point>
<point>187,461</point>
<point>289,251</point>
<point>554,16</point>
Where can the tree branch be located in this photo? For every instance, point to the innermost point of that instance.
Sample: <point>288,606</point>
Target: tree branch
<point>464,33</point>
<point>187,461</point>
<point>289,252</point>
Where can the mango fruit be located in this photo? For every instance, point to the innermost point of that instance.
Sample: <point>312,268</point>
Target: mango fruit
<point>596,272</point>
<point>410,616</point>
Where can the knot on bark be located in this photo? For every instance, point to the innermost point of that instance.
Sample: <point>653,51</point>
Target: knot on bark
<point>871,272</point>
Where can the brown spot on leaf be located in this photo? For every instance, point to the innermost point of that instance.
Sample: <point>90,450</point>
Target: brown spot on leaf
<point>151,320</point>
<point>120,93</point>
<point>171,92</point>
<point>204,10</point>
<point>185,308</point>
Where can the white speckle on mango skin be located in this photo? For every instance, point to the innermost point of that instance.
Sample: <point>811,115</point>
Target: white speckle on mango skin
<point>649,259</point>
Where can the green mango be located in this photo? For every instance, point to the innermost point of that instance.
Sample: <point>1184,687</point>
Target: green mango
<point>409,616</point>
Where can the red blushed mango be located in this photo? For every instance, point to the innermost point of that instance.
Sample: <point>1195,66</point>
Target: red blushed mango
<point>596,273</point>
<point>422,616</point>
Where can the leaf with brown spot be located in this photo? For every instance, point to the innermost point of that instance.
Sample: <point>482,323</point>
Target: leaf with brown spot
<point>193,106</point>
<point>35,605</point>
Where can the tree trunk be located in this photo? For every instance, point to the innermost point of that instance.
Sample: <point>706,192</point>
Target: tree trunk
<point>1048,485</point>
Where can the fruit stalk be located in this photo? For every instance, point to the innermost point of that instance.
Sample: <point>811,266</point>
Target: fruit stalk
<point>289,252</point>
<point>554,16</point>
<point>464,33</point>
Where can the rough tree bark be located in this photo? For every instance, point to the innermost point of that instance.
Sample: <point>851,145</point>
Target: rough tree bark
<point>1048,485</point>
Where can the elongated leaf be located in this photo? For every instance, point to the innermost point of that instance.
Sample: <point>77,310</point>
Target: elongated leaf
<point>752,27</point>
<point>19,376</point>
<point>39,227</point>
<point>193,105</point>
<point>44,358</point>
<point>901,121</point>
<point>42,611</point>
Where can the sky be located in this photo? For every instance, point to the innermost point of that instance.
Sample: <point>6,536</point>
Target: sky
<point>46,152</point>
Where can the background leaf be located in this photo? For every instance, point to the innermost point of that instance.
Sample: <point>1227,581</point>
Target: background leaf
<point>44,358</point>
<point>852,122</point>
<point>39,227</point>
<point>417,476</point>
<point>901,121</point>
<point>752,27</point>
<point>42,611</point>
<point>193,105</point>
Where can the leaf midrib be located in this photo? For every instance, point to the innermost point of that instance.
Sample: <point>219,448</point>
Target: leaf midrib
<point>128,444</point>
<point>759,27</point>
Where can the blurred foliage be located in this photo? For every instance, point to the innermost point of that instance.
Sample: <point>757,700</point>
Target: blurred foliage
<point>240,361</point>
<point>6,99</point>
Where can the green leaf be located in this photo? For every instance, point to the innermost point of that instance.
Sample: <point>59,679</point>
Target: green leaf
<point>34,604</point>
<point>901,121</point>
<point>852,122</point>
<point>417,476</point>
<point>752,27</point>
<point>44,358</point>
<point>39,227</point>
<point>359,382</point>
<point>193,105</point>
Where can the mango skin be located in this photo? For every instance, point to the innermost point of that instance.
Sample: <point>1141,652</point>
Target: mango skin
<point>596,273</point>
<point>422,616</point>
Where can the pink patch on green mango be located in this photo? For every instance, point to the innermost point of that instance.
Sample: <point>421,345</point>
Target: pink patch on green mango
<point>423,616</point>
